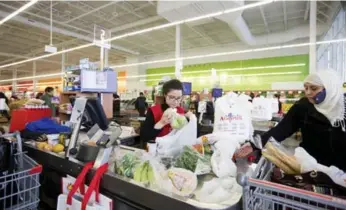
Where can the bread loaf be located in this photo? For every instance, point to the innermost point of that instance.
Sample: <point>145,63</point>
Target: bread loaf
<point>283,157</point>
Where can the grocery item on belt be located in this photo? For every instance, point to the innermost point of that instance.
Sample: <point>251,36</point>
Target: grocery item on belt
<point>184,181</point>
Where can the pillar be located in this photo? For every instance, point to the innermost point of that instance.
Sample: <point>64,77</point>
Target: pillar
<point>312,53</point>
<point>34,80</point>
<point>178,62</point>
<point>14,81</point>
<point>63,69</point>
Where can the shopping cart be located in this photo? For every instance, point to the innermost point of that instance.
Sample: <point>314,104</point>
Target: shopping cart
<point>261,194</point>
<point>19,189</point>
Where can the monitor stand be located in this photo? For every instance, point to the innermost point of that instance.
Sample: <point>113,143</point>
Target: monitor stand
<point>76,120</point>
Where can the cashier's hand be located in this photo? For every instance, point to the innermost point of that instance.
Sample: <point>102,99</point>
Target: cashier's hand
<point>244,151</point>
<point>165,119</point>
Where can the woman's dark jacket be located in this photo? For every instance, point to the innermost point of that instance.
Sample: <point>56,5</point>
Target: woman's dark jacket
<point>319,138</point>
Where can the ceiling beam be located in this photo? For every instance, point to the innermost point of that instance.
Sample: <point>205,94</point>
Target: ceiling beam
<point>130,11</point>
<point>85,8</point>
<point>285,13</point>
<point>324,14</point>
<point>136,24</point>
<point>91,11</point>
<point>325,4</point>
<point>264,19</point>
<point>39,51</point>
<point>307,8</point>
<point>204,36</point>
<point>26,57</point>
<point>64,32</point>
<point>48,19</point>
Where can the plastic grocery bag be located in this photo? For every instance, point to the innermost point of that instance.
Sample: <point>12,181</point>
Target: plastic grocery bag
<point>179,181</point>
<point>222,158</point>
<point>90,199</point>
<point>172,144</point>
<point>262,109</point>
<point>309,163</point>
<point>233,116</point>
<point>275,105</point>
<point>220,191</point>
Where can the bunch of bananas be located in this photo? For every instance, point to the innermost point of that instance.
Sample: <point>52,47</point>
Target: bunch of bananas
<point>144,173</point>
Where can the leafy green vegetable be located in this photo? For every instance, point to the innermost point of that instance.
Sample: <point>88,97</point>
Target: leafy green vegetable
<point>189,159</point>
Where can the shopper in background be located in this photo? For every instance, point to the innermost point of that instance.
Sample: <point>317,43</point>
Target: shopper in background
<point>116,104</point>
<point>157,122</point>
<point>4,112</point>
<point>47,98</point>
<point>39,95</point>
<point>277,96</point>
<point>141,104</point>
<point>252,96</point>
<point>2,95</point>
<point>320,116</point>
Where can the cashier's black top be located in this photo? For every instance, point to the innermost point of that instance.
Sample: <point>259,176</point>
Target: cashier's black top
<point>319,138</point>
<point>148,132</point>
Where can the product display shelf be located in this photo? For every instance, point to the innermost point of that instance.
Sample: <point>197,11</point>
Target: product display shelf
<point>125,193</point>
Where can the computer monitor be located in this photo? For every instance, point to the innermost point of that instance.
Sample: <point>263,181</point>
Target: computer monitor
<point>216,92</point>
<point>93,114</point>
<point>187,88</point>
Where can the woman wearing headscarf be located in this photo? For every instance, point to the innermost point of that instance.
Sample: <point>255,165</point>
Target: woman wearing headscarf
<point>320,116</point>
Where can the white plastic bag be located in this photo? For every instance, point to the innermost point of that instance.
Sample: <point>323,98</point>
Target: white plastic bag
<point>308,163</point>
<point>275,105</point>
<point>172,144</point>
<point>232,116</point>
<point>219,191</point>
<point>222,158</point>
<point>262,109</point>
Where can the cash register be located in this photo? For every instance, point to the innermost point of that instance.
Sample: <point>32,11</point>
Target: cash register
<point>89,112</point>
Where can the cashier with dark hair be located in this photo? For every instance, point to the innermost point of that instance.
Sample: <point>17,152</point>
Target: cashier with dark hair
<point>157,122</point>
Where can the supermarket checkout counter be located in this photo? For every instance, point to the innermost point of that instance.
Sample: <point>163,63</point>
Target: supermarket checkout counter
<point>126,195</point>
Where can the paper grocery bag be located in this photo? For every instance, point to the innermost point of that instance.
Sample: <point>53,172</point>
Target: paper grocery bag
<point>82,197</point>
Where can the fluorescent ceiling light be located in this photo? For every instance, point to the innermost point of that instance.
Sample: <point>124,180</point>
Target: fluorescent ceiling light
<point>24,7</point>
<point>229,53</point>
<point>261,3</point>
<point>31,84</point>
<point>184,72</point>
<point>32,77</point>
<point>219,70</point>
<point>47,55</point>
<point>210,15</point>
<point>239,75</point>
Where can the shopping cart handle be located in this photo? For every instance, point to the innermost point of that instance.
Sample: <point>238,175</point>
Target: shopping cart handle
<point>242,179</point>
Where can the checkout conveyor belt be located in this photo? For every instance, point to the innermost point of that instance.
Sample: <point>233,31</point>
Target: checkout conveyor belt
<point>126,196</point>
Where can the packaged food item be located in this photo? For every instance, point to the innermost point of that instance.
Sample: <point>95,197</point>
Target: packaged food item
<point>275,153</point>
<point>126,166</point>
<point>184,181</point>
<point>141,172</point>
<point>192,160</point>
<point>179,121</point>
